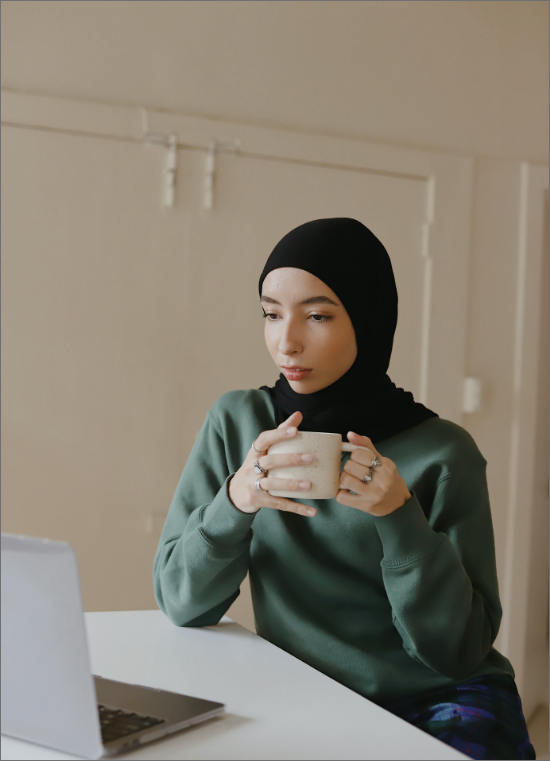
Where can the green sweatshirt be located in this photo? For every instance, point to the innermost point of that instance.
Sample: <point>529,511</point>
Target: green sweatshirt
<point>389,606</point>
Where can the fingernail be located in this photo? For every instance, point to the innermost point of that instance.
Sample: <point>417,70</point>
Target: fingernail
<point>304,484</point>
<point>310,511</point>
<point>290,431</point>
<point>307,458</point>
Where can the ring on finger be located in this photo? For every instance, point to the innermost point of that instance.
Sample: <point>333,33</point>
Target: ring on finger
<point>368,476</point>
<point>257,450</point>
<point>258,468</point>
<point>258,487</point>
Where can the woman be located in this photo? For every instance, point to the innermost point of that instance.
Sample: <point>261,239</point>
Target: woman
<point>391,587</point>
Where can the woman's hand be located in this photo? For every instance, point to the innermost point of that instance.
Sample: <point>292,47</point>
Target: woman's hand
<point>242,487</point>
<point>383,495</point>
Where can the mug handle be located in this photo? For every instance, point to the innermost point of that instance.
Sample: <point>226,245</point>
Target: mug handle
<point>347,447</point>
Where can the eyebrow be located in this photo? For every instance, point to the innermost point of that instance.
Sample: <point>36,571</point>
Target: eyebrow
<point>311,300</point>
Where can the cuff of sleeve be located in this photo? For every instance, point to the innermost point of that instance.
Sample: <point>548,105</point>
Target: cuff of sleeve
<point>405,534</point>
<point>222,524</point>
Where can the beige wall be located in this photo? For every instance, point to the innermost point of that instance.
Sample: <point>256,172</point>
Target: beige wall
<point>464,77</point>
<point>461,76</point>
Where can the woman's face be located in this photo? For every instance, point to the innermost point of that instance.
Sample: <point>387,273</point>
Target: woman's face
<point>307,330</point>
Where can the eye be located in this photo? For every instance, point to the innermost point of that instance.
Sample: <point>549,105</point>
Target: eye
<point>270,316</point>
<point>320,317</point>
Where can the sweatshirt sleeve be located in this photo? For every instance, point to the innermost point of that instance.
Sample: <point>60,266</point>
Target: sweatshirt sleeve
<point>440,572</point>
<point>203,551</point>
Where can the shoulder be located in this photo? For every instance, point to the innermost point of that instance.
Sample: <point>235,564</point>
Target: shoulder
<point>441,445</point>
<point>243,408</point>
<point>240,401</point>
<point>451,443</point>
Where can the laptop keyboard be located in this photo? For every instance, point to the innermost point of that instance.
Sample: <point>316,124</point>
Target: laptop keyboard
<point>116,723</point>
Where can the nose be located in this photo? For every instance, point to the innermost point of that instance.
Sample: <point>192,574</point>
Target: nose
<point>289,339</point>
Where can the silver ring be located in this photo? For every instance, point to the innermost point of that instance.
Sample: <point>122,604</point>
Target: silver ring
<point>256,450</point>
<point>368,476</point>
<point>258,487</point>
<point>258,469</point>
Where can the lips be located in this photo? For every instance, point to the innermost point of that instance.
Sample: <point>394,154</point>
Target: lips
<point>295,373</point>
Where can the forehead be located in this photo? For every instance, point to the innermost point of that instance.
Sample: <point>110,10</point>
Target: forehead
<point>292,283</point>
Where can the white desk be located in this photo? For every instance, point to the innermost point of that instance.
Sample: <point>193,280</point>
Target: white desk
<point>276,706</point>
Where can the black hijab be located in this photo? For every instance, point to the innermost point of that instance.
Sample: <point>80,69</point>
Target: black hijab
<point>347,257</point>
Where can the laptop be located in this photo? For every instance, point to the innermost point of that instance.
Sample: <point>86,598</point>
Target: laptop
<point>49,695</point>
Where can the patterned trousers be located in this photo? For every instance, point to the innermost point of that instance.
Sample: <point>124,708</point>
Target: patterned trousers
<point>482,718</point>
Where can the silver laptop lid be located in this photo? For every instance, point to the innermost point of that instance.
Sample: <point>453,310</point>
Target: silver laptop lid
<point>48,693</point>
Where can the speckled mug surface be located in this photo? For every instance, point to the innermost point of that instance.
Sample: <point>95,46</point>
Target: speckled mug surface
<point>323,472</point>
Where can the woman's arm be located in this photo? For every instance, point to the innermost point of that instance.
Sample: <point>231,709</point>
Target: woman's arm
<point>202,555</point>
<point>440,574</point>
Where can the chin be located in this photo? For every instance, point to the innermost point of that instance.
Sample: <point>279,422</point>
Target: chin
<point>304,387</point>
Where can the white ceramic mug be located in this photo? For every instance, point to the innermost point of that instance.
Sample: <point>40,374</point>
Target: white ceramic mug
<point>323,472</point>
